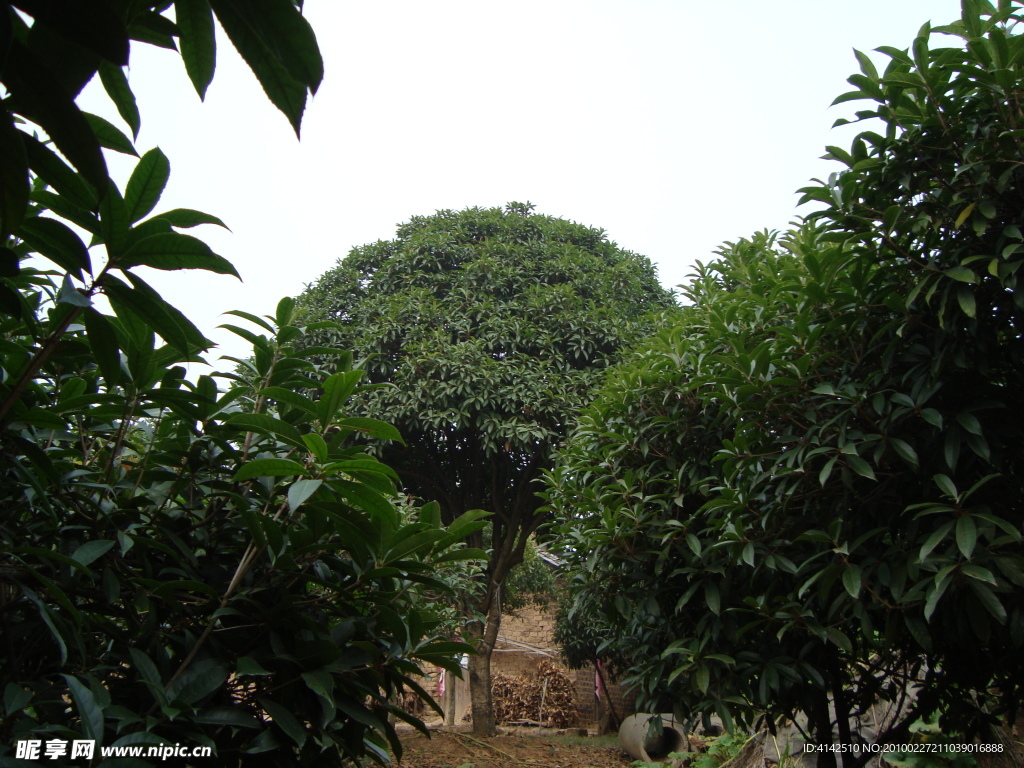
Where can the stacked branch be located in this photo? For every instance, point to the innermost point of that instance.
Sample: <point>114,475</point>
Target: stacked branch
<point>544,697</point>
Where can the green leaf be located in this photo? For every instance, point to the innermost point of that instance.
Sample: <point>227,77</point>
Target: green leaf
<point>969,422</point>
<point>198,42</point>
<point>866,65</point>
<point>103,342</point>
<point>965,297</point>
<point>89,710</point>
<point>748,553</point>
<point>945,485</point>
<point>905,451</point>
<point>989,599</point>
<point>338,388</point>
<point>57,242</point>
<point>962,274</point>
<point>289,397</point>
<point>269,468</point>
<point>15,698</point>
<point>320,682</point>
<point>839,638</point>
<point>186,217</point>
<point>280,48</point>
<point>852,580</point>
<point>147,305</point>
<point>115,83</point>
<point>146,184</point>
<point>979,573</point>
<point>300,491</point>
<point>67,210</point>
<point>285,312</point>
<point>826,471</point>
<point>149,26</point>
<point>934,540</point>
<point>45,615</point>
<point>265,424</point>
<point>150,675</point>
<point>284,719</point>
<point>966,535</point>
<point>249,666</point>
<point>861,467</point>
<point>713,597</point>
<point>702,678</point>
<point>197,682</point>
<point>57,174</point>
<point>69,294</point>
<point>316,445</point>
<point>114,224</point>
<point>110,136</point>
<point>371,428</point>
<point>457,555</point>
<point>904,79</point>
<point>173,250</point>
<point>223,715</point>
<point>962,217</point>
<point>92,551</point>
<point>14,182</point>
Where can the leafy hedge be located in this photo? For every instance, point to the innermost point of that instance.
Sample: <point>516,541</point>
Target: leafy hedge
<point>808,488</point>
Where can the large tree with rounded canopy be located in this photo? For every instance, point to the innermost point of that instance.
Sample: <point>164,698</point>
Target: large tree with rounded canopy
<point>491,328</point>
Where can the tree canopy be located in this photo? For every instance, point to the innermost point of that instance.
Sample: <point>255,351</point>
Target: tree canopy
<point>491,328</point>
<point>808,487</point>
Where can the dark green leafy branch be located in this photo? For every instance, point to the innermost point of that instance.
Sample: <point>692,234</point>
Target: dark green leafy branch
<point>188,570</point>
<point>177,567</point>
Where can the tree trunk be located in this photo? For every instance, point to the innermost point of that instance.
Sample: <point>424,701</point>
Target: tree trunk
<point>821,725</point>
<point>480,697</point>
<point>614,721</point>
<point>841,705</point>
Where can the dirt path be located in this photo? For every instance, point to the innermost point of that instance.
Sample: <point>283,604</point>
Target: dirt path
<point>448,749</point>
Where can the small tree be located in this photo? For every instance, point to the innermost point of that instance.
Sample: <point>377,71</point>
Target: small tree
<point>493,326</point>
<point>805,495</point>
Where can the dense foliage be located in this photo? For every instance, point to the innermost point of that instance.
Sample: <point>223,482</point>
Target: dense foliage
<point>178,563</point>
<point>190,571</point>
<point>493,326</point>
<point>49,51</point>
<point>809,486</point>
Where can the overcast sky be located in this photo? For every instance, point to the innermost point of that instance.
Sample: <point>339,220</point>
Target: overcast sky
<point>672,125</point>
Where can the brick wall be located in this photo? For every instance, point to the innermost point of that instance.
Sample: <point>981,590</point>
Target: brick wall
<point>594,711</point>
<point>525,639</point>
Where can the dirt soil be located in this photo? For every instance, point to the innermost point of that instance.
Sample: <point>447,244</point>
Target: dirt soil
<point>449,749</point>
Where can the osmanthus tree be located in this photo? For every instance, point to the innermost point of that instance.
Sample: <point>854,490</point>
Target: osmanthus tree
<point>491,327</point>
<point>181,564</point>
<point>808,488</point>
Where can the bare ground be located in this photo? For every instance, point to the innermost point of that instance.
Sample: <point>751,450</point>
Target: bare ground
<point>452,749</point>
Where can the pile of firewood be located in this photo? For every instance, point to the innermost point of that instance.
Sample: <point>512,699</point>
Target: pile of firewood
<point>544,697</point>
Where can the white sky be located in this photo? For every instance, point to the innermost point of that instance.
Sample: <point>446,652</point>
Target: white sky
<point>674,125</point>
